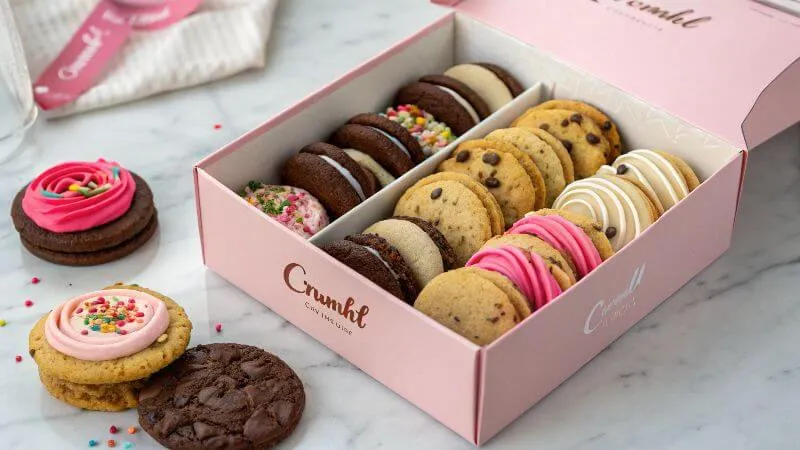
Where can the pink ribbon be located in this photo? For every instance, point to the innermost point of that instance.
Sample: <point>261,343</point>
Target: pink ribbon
<point>99,38</point>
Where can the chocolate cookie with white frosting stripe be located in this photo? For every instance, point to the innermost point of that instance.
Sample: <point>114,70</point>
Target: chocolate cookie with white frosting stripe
<point>373,257</point>
<point>447,99</point>
<point>335,179</point>
<point>621,206</point>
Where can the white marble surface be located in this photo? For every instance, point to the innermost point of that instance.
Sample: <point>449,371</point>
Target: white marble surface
<point>717,366</point>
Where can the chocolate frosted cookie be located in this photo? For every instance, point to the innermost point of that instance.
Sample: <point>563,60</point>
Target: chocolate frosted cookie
<point>84,213</point>
<point>222,396</point>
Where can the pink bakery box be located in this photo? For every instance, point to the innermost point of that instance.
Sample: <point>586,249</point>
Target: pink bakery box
<point>703,80</point>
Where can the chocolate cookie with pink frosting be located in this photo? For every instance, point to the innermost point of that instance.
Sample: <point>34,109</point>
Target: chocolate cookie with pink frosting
<point>94,351</point>
<point>84,213</point>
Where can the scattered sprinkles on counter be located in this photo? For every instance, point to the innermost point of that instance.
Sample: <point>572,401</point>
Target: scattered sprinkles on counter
<point>127,445</point>
<point>3,323</point>
<point>92,443</point>
<point>35,280</point>
<point>132,430</point>
<point>217,126</point>
<point>18,358</point>
<point>28,303</point>
<point>218,327</point>
<point>432,135</point>
<point>113,429</point>
<point>111,443</point>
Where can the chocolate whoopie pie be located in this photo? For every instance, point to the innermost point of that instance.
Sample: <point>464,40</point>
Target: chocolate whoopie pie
<point>84,213</point>
<point>383,148</point>
<point>511,83</point>
<point>335,179</point>
<point>222,396</point>
<point>374,258</point>
<point>447,99</point>
<point>394,131</point>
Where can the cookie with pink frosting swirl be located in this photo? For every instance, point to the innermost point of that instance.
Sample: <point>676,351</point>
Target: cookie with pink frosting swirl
<point>94,350</point>
<point>84,213</point>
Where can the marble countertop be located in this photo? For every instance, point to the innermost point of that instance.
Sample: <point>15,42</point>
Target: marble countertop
<point>716,366</point>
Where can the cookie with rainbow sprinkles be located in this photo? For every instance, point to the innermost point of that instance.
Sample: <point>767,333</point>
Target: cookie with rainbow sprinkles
<point>95,351</point>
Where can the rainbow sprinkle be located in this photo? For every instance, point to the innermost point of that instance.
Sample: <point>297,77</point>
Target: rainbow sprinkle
<point>109,316</point>
<point>431,134</point>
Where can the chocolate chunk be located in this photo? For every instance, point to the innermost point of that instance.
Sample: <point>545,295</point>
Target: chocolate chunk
<point>456,319</point>
<point>462,156</point>
<point>611,232</point>
<point>544,126</point>
<point>493,319</point>
<point>622,169</point>
<point>491,182</point>
<point>567,144</point>
<point>241,398</point>
<point>564,123</point>
<point>606,125</point>
<point>577,118</point>
<point>436,193</point>
<point>593,139</point>
<point>491,158</point>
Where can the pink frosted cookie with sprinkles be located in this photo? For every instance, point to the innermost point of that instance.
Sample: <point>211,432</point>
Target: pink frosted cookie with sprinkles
<point>84,213</point>
<point>292,207</point>
<point>431,134</point>
<point>94,351</point>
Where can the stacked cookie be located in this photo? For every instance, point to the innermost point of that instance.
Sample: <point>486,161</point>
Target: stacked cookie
<point>95,351</point>
<point>84,213</point>
<point>371,150</point>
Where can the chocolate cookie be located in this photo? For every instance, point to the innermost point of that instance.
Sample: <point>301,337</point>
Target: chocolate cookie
<point>393,261</point>
<point>447,99</point>
<point>335,179</point>
<point>229,396</point>
<point>365,262</point>
<point>393,130</point>
<point>375,143</point>
<point>102,224</point>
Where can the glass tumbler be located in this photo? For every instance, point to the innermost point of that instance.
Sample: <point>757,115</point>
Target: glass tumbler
<point>17,108</point>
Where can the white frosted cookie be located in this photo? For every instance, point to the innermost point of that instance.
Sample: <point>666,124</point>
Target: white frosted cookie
<point>619,205</point>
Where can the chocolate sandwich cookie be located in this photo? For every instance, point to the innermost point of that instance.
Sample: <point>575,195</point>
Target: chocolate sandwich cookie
<point>423,247</point>
<point>223,396</point>
<point>398,134</point>
<point>494,84</point>
<point>83,213</point>
<point>447,99</point>
<point>331,176</point>
<point>386,151</point>
<point>377,260</point>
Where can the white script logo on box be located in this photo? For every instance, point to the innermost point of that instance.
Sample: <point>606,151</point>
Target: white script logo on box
<point>604,312</point>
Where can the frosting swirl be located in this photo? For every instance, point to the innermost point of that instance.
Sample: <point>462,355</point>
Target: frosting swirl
<point>77,196</point>
<point>106,324</point>
<point>607,204</point>
<point>656,173</point>
<point>564,236</point>
<point>526,270</point>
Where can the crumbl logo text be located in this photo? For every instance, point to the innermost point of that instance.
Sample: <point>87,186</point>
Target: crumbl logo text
<point>605,312</point>
<point>685,18</point>
<point>344,315</point>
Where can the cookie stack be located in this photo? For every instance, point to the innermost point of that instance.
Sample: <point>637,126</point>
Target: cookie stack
<point>84,213</point>
<point>371,150</point>
<point>95,351</point>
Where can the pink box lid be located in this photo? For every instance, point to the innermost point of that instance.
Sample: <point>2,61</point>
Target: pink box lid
<point>730,67</point>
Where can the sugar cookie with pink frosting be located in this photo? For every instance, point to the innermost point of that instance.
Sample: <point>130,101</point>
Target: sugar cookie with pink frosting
<point>84,213</point>
<point>95,350</point>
